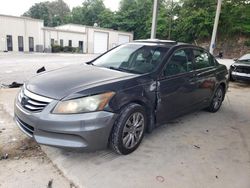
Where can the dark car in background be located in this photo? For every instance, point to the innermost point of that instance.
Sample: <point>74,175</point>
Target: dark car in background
<point>114,99</point>
<point>240,69</point>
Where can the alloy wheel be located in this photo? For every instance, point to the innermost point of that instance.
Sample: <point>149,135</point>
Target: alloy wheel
<point>133,130</point>
<point>218,98</point>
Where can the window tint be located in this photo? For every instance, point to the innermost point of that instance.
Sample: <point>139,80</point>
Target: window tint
<point>202,59</point>
<point>179,63</point>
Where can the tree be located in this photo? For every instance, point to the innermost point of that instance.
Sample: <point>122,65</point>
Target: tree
<point>190,19</point>
<point>53,13</point>
<point>134,15</point>
<point>91,12</point>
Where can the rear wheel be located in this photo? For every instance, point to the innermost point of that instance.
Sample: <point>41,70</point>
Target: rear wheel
<point>217,100</point>
<point>129,129</point>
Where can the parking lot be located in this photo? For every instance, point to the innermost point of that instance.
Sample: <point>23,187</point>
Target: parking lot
<point>198,150</point>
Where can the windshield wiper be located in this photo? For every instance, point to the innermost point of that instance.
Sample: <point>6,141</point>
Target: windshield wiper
<point>89,63</point>
<point>123,70</point>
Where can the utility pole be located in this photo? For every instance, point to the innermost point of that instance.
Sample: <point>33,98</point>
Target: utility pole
<point>216,21</point>
<point>170,20</point>
<point>154,19</point>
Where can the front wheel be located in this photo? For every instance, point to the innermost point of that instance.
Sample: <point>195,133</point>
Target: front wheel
<point>217,100</point>
<point>231,78</point>
<point>129,129</point>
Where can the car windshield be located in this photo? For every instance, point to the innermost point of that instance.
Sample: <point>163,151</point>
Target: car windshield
<point>245,59</point>
<point>133,58</point>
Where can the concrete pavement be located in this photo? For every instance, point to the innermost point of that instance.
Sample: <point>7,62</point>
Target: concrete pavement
<point>19,67</point>
<point>198,150</point>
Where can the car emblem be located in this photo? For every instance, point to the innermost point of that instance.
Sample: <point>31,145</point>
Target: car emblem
<point>24,101</point>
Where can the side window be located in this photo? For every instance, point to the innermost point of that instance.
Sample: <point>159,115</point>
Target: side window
<point>180,62</point>
<point>202,59</point>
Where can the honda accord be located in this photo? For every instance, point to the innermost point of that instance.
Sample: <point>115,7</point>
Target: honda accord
<point>114,99</point>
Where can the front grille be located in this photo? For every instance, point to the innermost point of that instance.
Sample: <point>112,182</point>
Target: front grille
<point>32,102</point>
<point>33,105</point>
<point>243,70</point>
<point>29,130</point>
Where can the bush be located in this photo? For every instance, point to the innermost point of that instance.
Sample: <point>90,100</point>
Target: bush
<point>69,49</point>
<point>247,43</point>
<point>56,48</point>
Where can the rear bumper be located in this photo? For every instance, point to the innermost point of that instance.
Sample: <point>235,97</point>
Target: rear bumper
<point>88,131</point>
<point>240,76</point>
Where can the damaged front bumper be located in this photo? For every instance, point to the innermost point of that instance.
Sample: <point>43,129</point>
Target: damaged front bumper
<point>240,76</point>
<point>87,131</point>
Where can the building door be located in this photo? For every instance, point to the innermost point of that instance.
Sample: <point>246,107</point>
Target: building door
<point>70,43</point>
<point>61,42</point>
<point>81,46</point>
<point>100,42</point>
<point>123,39</point>
<point>20,43</point>
<point>9,43</point>
<point>31,44</point>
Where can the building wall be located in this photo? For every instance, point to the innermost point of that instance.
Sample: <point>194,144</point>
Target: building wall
<point>28,27</point>
<point>113,37</point>
<point>20,26</point>
<point>65,36</point>
<point>73,27</point>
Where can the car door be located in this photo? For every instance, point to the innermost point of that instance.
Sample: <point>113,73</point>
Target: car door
<point>177,86</point>
<point>205,69</point>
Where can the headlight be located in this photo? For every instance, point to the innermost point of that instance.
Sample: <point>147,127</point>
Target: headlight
<point>20,94</point>
<point>85,104</point>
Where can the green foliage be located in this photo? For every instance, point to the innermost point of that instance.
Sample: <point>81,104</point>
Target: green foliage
<point>91,12</point>
<point>247,43</point>
<point>56,48</point>
<point>69,49</point>
<point>53,13</point>
<point>183,20</point>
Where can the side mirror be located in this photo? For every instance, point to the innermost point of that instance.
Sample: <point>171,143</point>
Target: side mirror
<point>235,59</point>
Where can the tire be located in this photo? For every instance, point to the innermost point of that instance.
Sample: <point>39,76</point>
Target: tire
<point>127,135</point>
<point>217,100</point>
<point>231,78</point>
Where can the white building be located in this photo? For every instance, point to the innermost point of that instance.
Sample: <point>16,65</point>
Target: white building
<point>29,35</point>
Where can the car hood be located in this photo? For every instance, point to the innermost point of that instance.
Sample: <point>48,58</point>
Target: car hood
<point>242,64</point>
<point>62,82</point>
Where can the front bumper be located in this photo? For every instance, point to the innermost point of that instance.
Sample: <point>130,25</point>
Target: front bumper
<point>88,131</point>
<point>240,76</point>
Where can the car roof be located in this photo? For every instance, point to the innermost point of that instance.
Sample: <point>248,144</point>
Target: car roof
<point>168,43</point>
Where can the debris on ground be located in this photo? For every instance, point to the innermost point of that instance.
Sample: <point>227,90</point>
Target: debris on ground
<point>50,183</point>
<point>41,70</point>
<point>16,158</point>
<point>71,185</point>
<point>12,85</point>
<point>160,179</point>
<point>216,177</point>
<point>24,147</point>
<point>197,147</point>
<point>4,157</point>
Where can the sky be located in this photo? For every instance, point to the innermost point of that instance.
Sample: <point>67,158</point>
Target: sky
<point>18,7</point>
